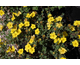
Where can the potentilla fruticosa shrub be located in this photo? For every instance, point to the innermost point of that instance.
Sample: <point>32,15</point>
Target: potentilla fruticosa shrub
<point>32,34</point>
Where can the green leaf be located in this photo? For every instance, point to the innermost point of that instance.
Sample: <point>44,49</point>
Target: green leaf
<point>70,43</point>
<point>51,52</point>
<point>46,9</point>
<point>38,51</point>
<point>35,8</point>
<point>59,7</point>
<point>52,8</point>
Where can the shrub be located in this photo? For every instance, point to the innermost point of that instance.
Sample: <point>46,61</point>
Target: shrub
<point>33,32</point>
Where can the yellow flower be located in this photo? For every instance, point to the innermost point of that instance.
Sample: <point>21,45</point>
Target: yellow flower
<point>59,18</point>
<point>12,30</point>
<point>33,26</point>
<point>75,43</point>
<point>32,14</point>
<point>14,14</point>
<point>25,19</point>
<point>27,58</point>
<point>49,26</point>
<point>79,36</point>
<point>13,17</point>
<point>50,22</point>
<point>49,15</point>
<point>15,27</point>
<point>12,49</point>
<point>62,58</point>
<point>62,50</point>
<point>72,28</point>
<point>27,47</point>
<point>10,25</point>
<point>76,23</point>
<point>0,39</point>
<point>63,39</point>
<point>20,51</point>
<point>33,37</point>
<point>1,27</point>
<point>32,50</point>
<point>58,25</point>
<point>55,20</point>
<point>26,23</point>
<point>15,34</point>
<point>24,6</point>
<point>1,12</point>
<point>28,15</point>
<point>9,49</point>
<point>19,31</point>
<point>55,40</point>
<point>19,13</point>
<point>53,35</point>
<point>39,39</point>
<point>50,19</point>
<point>37,31</point>
<point>59,40</point>
<point>21,25</point>
<point>31,41</point>
<point>65,33</point>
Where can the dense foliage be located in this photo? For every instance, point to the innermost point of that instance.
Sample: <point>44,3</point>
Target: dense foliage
<point>33,32</point>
